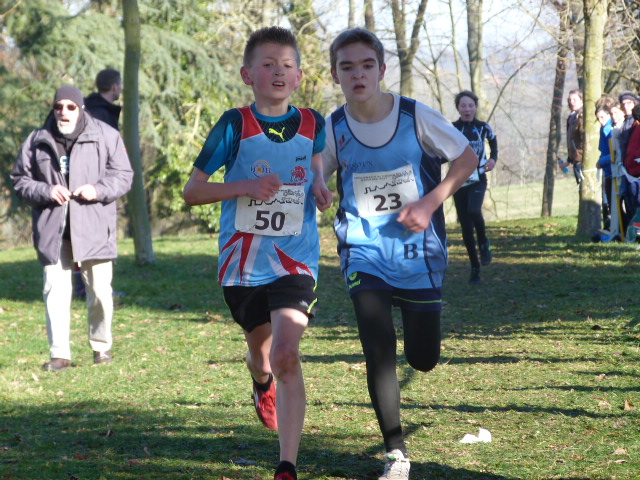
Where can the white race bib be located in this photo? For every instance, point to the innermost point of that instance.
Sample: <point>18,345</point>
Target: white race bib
<point>384,193</point>
<point>279,217</point>
<point>475,176</point>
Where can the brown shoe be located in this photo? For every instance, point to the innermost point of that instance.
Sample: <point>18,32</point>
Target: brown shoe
<point>56,364</point>
<point>102,357</point>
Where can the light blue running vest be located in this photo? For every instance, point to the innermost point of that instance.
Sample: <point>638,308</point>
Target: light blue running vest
<point>250,258</point>
<point>370,239</point>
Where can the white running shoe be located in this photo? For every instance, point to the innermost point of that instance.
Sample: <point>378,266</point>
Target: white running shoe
<point>396,466</point>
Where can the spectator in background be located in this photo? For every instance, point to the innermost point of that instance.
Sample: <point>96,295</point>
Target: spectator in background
<point>101,104</point>
<point>604,162</point>
<point>628,100</point>
<point>617,172</point>
<point>617,115</point>
<point>575,127</point>
<point>632,154</point>
<point>71,171</point>
<point>632,166</point>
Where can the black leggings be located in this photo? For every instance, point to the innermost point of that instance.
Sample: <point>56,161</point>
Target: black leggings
<point>468,201</point>
<point>378,339</point>
<point>606,205</point>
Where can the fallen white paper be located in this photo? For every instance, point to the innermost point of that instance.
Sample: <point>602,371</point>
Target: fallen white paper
<point>483,436</point>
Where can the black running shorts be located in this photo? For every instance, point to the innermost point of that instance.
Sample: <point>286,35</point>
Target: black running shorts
<point>415,299</point>
<point>251,307</point>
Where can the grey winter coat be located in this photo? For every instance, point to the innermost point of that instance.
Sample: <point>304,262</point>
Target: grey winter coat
<point>98,158</point>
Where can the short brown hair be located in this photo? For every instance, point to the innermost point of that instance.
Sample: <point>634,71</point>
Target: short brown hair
<point>277,35</point>
<point>107,78</point>
<point>356,35</point>
<point>576,91</point>
<point>466,93</point>
<point>604,103</point>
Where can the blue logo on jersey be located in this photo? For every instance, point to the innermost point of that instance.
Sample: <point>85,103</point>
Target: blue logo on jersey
<point>357,166</point>
<point>260,168</point>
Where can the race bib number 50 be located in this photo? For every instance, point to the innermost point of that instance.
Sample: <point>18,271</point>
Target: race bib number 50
<point>279,217</point>
<point>384,193</point>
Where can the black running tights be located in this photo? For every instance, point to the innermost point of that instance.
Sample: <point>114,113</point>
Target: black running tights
<point>468,201</point>
<point>378,339</point>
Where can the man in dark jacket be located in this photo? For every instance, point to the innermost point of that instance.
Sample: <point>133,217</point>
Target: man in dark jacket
<point>575,129</point>
<point>100,104</point>
<point>71,171</point>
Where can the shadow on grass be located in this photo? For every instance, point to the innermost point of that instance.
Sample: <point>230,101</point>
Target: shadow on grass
<point>90,440</point>
<point>518,295</point>
<point>503,359</point>
<point>533,279</point>
<point>565,412</point>
<point>435,471</point>
<point>511,408</point>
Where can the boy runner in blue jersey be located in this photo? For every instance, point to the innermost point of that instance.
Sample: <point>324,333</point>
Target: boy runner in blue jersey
<point>386,150</point>
<point>269,242</point>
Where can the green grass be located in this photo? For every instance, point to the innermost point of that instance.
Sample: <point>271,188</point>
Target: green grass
<point>508,202</point>
<point>545,354</point>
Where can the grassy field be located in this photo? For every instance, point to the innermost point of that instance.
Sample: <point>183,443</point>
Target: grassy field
<point>509,202</point>
<point>545,354</point>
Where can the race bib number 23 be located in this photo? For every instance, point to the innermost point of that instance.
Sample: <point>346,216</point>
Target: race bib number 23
<point>384,193</point>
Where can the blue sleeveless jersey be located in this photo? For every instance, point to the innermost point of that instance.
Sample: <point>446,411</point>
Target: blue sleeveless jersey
<point>374,184</point>
<point>248,258</point>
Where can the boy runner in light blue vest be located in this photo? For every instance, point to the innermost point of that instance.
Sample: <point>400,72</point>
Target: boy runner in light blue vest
<point>386,150</point>
<point>269,243</point>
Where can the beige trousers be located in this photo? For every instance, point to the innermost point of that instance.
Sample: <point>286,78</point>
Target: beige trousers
<point>58,289</point>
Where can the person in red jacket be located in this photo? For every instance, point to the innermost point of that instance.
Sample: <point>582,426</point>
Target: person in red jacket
<point>632,155</point>
<point>631,161</point>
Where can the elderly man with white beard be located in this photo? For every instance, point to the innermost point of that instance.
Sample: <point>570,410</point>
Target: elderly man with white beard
<point>71,171</point>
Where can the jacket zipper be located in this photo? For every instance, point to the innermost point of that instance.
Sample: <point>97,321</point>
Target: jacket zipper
<point>66,205</point>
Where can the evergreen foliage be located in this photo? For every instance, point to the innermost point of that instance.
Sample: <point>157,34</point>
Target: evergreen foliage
<point>189,75</point>
<point>185,83</point>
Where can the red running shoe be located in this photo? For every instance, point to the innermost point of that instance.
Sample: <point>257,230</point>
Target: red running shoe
<point>265,403</point>
<point>284,476</point>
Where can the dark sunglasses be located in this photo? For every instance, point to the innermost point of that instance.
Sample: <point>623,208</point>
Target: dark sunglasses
<point>59,107</point>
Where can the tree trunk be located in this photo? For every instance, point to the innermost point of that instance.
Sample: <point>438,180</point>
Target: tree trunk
<point>577,23</point>
<point>352,14</point>
<point>267,12</point>
<point>369,18</point>
<point>474,49</point>
<point>407,50</point>
<point>131,99</point>
<point>555,123</point>
<point>454,46</point>
<point>436,82</point>
<point>595,17</point>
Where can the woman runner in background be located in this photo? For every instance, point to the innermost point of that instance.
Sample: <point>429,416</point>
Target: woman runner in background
<point>468,199</point>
